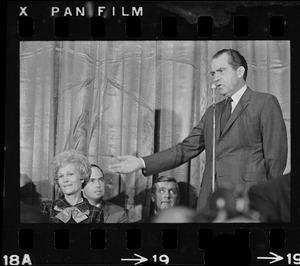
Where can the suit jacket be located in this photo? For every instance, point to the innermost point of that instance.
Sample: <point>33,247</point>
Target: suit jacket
<point>113,213</point>
<point>272,199</point>
<point>251,149</point>
<point>148,219</point>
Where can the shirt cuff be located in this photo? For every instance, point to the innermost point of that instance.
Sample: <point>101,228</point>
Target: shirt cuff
<point>144,167</point>
<point>143,162</point>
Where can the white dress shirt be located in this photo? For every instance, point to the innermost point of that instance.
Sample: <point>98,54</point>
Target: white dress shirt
<point>237,96</point>
<point>235,100</point>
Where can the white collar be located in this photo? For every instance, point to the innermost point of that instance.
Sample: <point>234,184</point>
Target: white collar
<point>238,95</point>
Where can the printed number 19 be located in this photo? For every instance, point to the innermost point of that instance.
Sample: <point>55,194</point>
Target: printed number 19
<point>295,259</point>
<point>162,258</point>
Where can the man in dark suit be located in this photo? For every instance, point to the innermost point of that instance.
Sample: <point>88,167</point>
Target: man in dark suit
<point>251,145</point>
<point>164,195</point>
<point>94,193</point>
<point>272,199</point>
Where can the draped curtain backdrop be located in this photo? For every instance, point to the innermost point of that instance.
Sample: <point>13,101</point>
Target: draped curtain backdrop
<point>107,98</point>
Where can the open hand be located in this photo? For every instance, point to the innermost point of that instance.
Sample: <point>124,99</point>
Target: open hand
<point>126,164</point>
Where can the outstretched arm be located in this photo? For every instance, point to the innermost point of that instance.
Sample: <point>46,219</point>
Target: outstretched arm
<point>177,155</point>
<point>127,164</point>
<point>167,159</point>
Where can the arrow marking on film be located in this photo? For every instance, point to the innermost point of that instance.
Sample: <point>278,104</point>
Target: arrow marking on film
<point>275,258</point>
<point>139,260</point>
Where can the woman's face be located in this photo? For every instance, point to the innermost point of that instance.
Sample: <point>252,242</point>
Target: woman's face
<point>69,179</point>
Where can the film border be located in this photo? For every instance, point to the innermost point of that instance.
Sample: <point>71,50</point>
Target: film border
<point>222,29</point>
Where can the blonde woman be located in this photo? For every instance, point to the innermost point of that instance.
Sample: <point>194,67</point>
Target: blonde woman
<point>71,171</point>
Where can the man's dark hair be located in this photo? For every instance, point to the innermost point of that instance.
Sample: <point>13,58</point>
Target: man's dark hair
<point>93,165</point>
<point>236,60</point>
<point>29,194</point>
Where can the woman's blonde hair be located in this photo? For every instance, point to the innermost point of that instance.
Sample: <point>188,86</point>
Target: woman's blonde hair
<point>75,157</point>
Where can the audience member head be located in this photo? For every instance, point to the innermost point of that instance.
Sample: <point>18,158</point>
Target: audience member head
<point>271,200</point>
<point>226,205</point>
<point>24,179</point>
<point>28,192</point>
<point>94,190</point>
<point>30,201</point>
<point>71,170</point>
<point>164,193</point>
<point>223,198</point>
<point>177,214</point>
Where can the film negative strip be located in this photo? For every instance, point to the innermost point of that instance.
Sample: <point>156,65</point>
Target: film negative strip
<point>94,88</point>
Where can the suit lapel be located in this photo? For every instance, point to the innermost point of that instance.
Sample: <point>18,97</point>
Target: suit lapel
<point>242,104</point>
<point>105,210</point>
<point>219,108</point>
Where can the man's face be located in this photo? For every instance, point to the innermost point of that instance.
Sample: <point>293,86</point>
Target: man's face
<point>165,196</point>
<point>94,189</point>
<point>227,80</point>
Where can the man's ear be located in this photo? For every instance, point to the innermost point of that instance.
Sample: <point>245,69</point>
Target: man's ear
<point>178,200</point>
<point>152,197</point>
<point>240,71</point>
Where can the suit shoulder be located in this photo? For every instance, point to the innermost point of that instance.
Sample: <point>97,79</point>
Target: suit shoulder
<point>113,207</point>
<point>265,100</point>
<point>263,95</point>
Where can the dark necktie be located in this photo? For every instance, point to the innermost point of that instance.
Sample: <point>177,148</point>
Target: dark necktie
<point>226,113</point>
